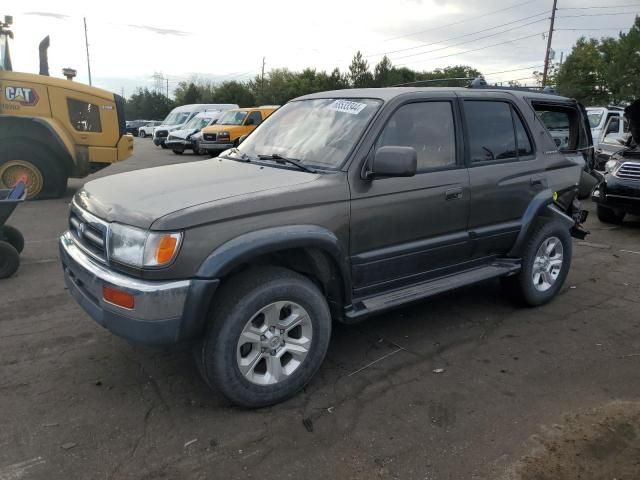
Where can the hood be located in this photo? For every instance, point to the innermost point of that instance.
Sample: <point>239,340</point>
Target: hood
<point>141,197</point>
<point>632,112</point>
<point>183,133</point>
<point>220,128</point>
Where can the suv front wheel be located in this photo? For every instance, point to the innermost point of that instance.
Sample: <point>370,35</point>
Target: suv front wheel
<point>545,264</point>
<point>268,335</point>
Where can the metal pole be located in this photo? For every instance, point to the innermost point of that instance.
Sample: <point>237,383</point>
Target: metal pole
<point>86,43</point>
<point>167,87</point>
<point>546,57</point>
<point>262,79</point>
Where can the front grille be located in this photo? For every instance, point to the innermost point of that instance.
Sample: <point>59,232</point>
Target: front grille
<point>629,170</point>
<point>89,232</point>
<point>161,133</point>
<point>210,137</point>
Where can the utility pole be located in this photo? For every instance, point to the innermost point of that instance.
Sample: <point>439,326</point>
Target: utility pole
<point>167,79</point>
<point>262,79</point>
<point>86,43</point>
<point>548,53</point>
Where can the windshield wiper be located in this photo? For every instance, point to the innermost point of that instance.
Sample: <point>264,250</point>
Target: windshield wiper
<point>280,159</point>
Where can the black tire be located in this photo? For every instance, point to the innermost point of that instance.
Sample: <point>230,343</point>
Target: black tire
<point>163,145</point>
<point>607,215</point>
<point>522,286</point>
<point>178,152</point>
<point>44,163</point>
<point>142,134</point>
<point>9,260</point>
<point>13,236</point>
<point>237,303</point>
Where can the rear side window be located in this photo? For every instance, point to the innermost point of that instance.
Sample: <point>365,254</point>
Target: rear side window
<point>496,132</point>
<point>429,128</point>
<point>84,117</point>
<point>565,125</point>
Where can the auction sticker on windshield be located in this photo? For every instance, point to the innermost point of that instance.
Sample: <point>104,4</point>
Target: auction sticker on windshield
<point>347,106</point>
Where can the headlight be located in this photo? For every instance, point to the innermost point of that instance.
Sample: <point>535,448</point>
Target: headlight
<point>610,165</point>
<point>141,248</point>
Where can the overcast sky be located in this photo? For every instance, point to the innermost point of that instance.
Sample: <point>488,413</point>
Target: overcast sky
<point>130,41</point>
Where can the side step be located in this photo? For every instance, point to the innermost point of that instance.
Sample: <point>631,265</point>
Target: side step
<point>389,300</point>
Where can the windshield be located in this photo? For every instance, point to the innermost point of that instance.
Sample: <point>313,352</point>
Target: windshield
<point>176,118</point>
<point>197,123</point>
<point>594,118</point>
<point>232,118</point>
<point>318,132</point>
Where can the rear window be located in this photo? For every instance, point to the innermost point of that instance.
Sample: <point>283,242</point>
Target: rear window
<point>565,125</point>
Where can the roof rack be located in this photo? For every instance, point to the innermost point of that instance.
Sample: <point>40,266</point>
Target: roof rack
<point>480,82</point>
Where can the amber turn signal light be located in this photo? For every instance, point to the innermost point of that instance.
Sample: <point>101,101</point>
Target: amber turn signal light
<point>118,297</point>
<point>166,248</point>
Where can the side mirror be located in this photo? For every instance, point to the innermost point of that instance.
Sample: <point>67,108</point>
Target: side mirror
<point>394,162</point>
<point>241,139</point>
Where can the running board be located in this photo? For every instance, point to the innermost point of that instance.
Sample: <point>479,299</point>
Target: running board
<point>395,298</point>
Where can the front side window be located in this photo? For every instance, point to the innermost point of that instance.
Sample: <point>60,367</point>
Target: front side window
<point>254,119</point>
<point>491,131</point>
<point>429,128</point>
<point>84,117</point>
<point>318,132</point>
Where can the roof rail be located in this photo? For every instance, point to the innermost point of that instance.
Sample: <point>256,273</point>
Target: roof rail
<point>480,82</point>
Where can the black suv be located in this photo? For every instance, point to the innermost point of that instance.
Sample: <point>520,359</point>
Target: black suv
<point>340,205</point>
<point>618,191</point>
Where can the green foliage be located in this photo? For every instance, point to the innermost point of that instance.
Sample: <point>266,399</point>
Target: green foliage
<point>601,71</point>
<point>147,105</point>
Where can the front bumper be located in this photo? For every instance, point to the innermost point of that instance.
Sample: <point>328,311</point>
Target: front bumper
<point>178,143</point>
<point>157,141</point>
<point>214,146</point>
<point>164,312</point>
<point>618,194</point>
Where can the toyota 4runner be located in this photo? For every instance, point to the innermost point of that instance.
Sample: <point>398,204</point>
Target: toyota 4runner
<point>340,205</point>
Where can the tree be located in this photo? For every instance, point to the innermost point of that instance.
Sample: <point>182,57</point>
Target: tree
<point>233,92</point>
<point>187,93</point>
<point>148,105</point>
<point>359,74</point>
<point>583,74</point>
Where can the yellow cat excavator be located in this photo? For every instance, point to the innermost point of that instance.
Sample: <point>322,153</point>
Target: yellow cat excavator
<point>52,129</point>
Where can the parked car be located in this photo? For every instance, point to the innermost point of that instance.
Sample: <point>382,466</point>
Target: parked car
<point>598,119</point>
<point>618,192</point>
<point>148,128</point>
<point>231,126</point>
<point>179,116</point>
<point>607,148</point>
<point>340,205</point>
<point>181,140</point>
<point>133,126</point>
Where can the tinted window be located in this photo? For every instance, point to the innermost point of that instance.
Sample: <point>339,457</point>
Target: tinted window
<point>491,135</point>
<point>254,118</point>
<point>84,117</point>
<point>429,128</point>
<point>522,139</point>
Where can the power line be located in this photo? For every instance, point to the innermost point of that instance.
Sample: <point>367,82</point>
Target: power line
<point>470,41</point>
<point>459,22</point>
<point>465,78</point>
<point>462,36</point>
<point>596,14</point>
<point>476,49</point>
<point>590,29</point>
<point>607,6</point>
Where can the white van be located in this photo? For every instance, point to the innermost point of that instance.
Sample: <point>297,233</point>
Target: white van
<point>179,116</point>
<point>598,119</point>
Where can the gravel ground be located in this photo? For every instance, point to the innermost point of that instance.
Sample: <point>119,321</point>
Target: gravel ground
<point>547,393</point>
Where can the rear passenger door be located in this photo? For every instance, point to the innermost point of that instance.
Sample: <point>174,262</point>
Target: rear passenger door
<point>504,172</point>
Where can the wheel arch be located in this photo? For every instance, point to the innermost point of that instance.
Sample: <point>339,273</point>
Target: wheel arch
<point>311,250</point>
<point>45,132</point>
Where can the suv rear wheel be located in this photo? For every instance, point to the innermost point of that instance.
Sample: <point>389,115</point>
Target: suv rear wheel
<point>545,264</point>
<point>268,336</point>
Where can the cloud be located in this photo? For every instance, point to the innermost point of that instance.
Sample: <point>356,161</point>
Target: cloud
<point>58,16</point>
<point>161,31</point>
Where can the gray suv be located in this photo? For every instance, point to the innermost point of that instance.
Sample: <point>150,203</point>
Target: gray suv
<point>342,204</point>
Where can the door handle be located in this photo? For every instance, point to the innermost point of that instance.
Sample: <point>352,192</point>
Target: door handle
<point>538,181</point>
<point>453,194</point>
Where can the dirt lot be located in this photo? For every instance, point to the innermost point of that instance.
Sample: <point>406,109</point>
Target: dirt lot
<point>548,393</point>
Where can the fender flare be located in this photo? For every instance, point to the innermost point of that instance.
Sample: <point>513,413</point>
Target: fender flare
<point>536,208</point>
<point>242,249</point>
